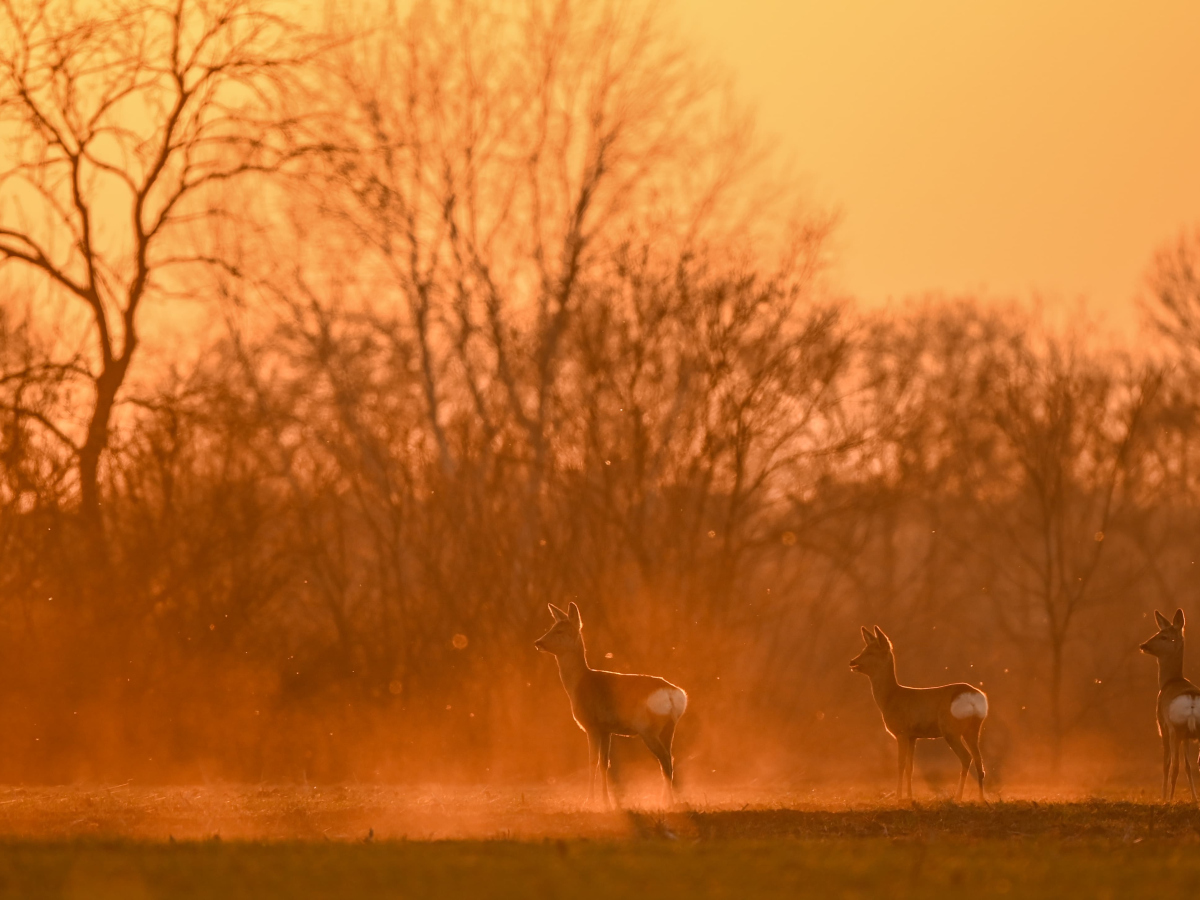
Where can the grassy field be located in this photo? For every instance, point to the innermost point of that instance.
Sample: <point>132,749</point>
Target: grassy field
<point>827,868</point>
<point>233,842</point>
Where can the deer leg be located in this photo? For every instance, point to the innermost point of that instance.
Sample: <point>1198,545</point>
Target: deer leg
<point>1185,750</point>
<point>1166,742</point>
<point>667,736</point>
<point>964,757</point>
<point>605,756</point>
<point>663,754</point>
<point>971,739</point>
<point>912,755</point>
<point>593,764</point>
<point>905,746</point>
<point>1174,765</point>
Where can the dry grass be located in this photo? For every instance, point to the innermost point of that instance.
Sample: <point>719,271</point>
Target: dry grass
<point>130,842</point>
<point>349,812</point>
<point>581,870</point>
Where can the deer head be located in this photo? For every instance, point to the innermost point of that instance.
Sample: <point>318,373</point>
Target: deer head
<point>1169,640</point>
<point>566,634</point>
<point>876,656</point>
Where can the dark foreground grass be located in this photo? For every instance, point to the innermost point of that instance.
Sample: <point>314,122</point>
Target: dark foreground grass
<point>134,843</point>
<point>578,870</point>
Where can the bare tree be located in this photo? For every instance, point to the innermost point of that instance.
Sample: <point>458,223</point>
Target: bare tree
<point>119,122</point>
<point>495,161</point>
<point>1071,426</point>
<point>1174,282</point>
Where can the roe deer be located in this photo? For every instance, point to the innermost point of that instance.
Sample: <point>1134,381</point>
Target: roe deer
<point>608,703</point>
<point>953,711</point>
<point>1178,700</point>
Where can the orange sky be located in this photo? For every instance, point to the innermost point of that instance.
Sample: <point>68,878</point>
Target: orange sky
<point>1007,146</point>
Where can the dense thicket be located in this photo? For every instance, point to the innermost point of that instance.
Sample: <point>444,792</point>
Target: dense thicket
<point>484,307</point>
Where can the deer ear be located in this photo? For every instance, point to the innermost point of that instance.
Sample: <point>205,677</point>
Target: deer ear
<point>559,615</point>
<point>867,636</point>
<point>883,638</point>
<point>573,615</point>
<point>1178,620</point>
<point>1162,620</point>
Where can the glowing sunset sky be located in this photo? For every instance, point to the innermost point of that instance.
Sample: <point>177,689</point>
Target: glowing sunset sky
<point>1006,147</point>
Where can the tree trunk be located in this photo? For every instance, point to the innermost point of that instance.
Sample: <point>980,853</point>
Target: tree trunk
<point>107,386</point>
<point>1056,721</point>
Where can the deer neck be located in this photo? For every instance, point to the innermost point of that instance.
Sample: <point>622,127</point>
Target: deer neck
<point>1170,668</point>
<point>884,685</point>
<point>572,666</point>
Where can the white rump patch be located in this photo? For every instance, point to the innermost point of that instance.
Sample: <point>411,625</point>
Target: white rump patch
<point>969,706</point>
<point>1184,712</point>
<point>667,702</point>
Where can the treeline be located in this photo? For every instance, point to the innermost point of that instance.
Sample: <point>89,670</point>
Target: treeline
<point>329,356</point>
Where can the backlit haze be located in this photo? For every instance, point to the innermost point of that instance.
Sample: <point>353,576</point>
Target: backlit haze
<point>1013,149</point>
<point>325,389</point>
